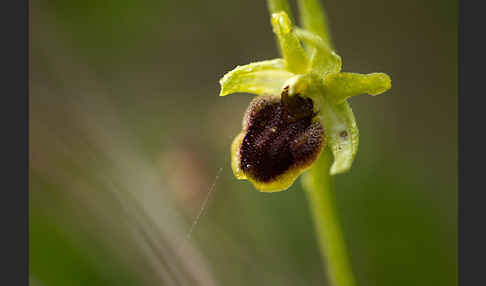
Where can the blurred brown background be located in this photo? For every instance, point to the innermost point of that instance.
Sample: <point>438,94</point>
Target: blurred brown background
<point>128,133</point>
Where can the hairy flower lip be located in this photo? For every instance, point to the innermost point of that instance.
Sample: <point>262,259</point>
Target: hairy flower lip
<point>280,139</point>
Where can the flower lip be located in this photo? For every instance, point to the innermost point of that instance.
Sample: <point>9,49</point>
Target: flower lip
<point>281,136</point>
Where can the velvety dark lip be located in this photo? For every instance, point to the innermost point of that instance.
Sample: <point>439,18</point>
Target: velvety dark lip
<point>280,135</point>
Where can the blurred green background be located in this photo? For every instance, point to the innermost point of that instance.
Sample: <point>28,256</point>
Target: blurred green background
<point>127,134</point>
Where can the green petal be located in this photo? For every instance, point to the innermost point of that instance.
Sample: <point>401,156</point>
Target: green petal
<point>266,77</point>
<point>344,85</point>
<point>324,60</point>
<point>342,135</point>
<point>295,57</point>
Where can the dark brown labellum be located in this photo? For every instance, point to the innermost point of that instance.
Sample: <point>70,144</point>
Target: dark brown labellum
<point>280,135</point>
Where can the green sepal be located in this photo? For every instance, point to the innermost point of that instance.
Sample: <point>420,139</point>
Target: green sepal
<point>292,51</point>
<point>341,86</point>
<point>265,77</point>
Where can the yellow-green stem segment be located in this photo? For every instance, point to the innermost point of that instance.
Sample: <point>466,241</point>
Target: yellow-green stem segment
<point>319,188</point>
<point>313,18</point>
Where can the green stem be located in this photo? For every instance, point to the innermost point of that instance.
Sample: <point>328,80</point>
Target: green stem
<point>275,6</point>
<point>320,193</point>
<point>313,18</point>
<point>317,181</point>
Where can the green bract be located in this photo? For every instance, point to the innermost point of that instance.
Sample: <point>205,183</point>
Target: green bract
<point>315,73</point>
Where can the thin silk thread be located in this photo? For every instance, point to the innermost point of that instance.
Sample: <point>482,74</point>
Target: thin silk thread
<point>204,204</point>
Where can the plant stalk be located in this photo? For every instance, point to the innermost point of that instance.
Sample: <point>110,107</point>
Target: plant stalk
<point>317,181</point>
<point>314,19</point>
<point>320,193</point>
<point>275,6</point>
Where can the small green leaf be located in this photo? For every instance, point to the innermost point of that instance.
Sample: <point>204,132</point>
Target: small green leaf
<point>342,135</point>
<point>295,57</point>
<point>266,77</point>
<point>341,86</point>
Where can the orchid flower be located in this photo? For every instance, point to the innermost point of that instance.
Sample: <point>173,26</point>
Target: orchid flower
<point>301,108</point>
